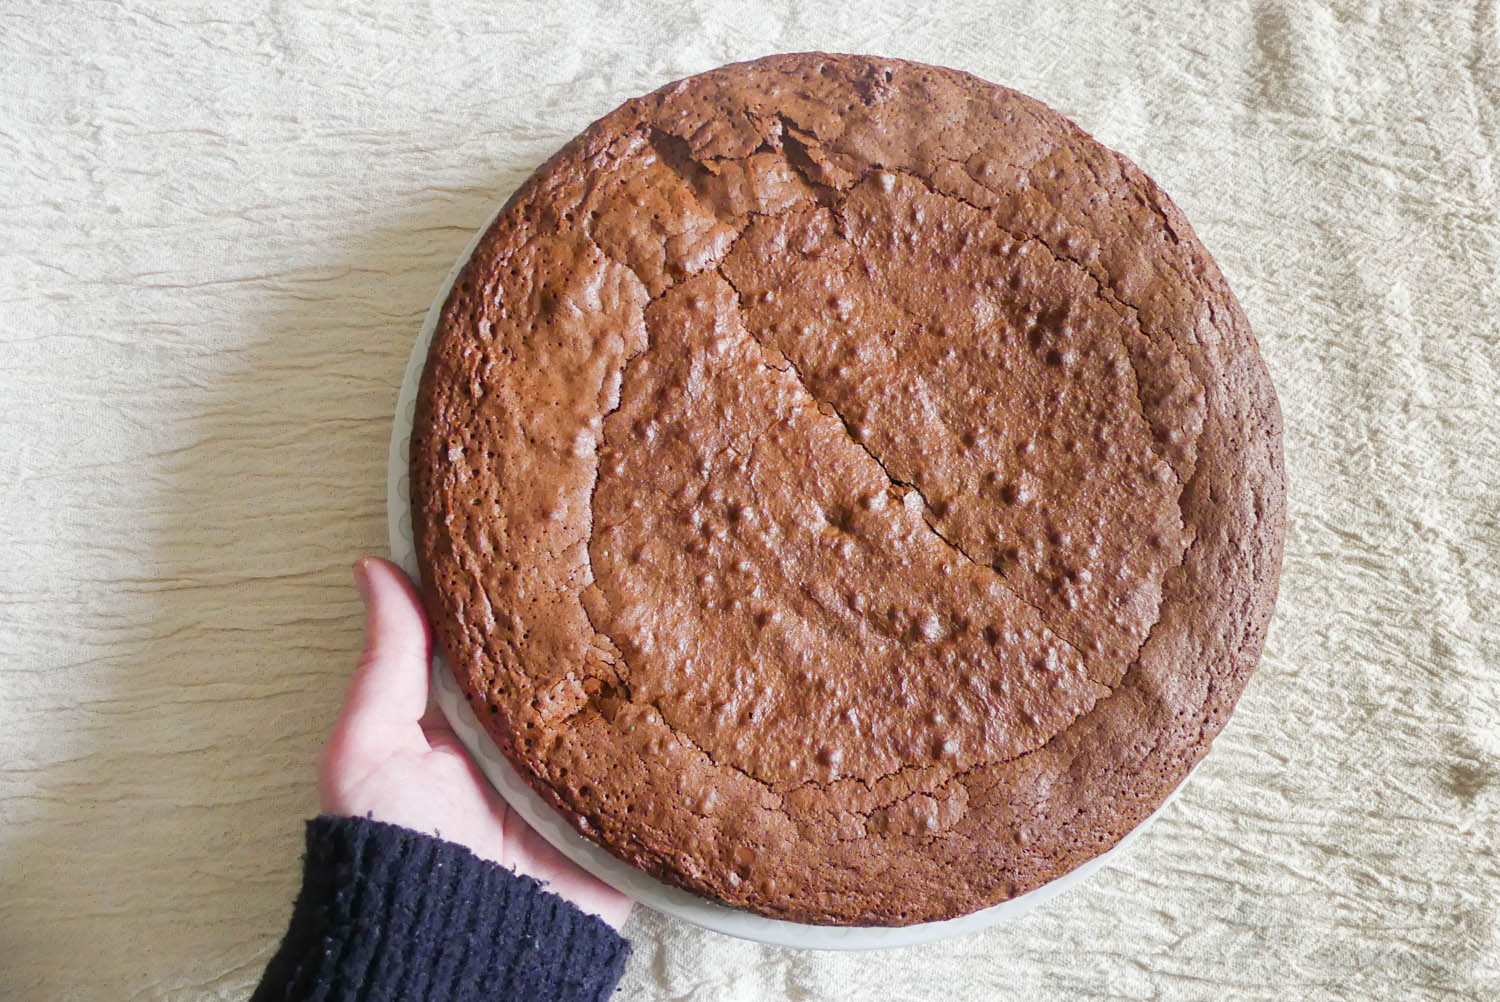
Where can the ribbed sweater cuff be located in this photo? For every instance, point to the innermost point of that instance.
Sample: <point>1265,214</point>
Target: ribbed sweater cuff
<point>387,913</point>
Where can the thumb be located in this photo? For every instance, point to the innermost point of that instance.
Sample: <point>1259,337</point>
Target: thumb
<point>390,683</point>
<point>388,693</point>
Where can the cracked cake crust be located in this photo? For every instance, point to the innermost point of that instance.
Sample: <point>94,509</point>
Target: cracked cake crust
<point>846,490</point>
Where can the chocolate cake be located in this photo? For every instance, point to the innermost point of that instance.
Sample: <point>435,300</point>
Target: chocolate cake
<point>847,490</point>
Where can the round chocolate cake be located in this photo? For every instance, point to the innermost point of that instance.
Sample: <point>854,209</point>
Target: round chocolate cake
<point>847,490</point>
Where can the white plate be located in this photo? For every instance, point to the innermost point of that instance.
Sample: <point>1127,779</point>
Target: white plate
<point>640,886</point>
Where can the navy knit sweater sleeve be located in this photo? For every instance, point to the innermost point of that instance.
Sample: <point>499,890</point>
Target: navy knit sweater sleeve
<point>386,913</point>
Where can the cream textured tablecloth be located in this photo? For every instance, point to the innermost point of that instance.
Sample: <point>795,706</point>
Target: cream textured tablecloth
<point>221,223</point>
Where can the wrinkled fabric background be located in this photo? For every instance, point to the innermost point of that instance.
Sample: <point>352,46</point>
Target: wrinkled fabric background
<point>220,225</point>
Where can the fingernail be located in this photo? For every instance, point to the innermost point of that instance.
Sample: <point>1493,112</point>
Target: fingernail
<point>362,578</point>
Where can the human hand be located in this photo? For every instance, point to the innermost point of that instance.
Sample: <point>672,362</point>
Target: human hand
<point>390,759</point>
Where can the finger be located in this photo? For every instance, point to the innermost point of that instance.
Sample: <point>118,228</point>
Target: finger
<point>434,721</point>
<point>389,688</point>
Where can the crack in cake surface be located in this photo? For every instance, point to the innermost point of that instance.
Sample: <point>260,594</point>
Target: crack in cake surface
<point>927,515</point>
